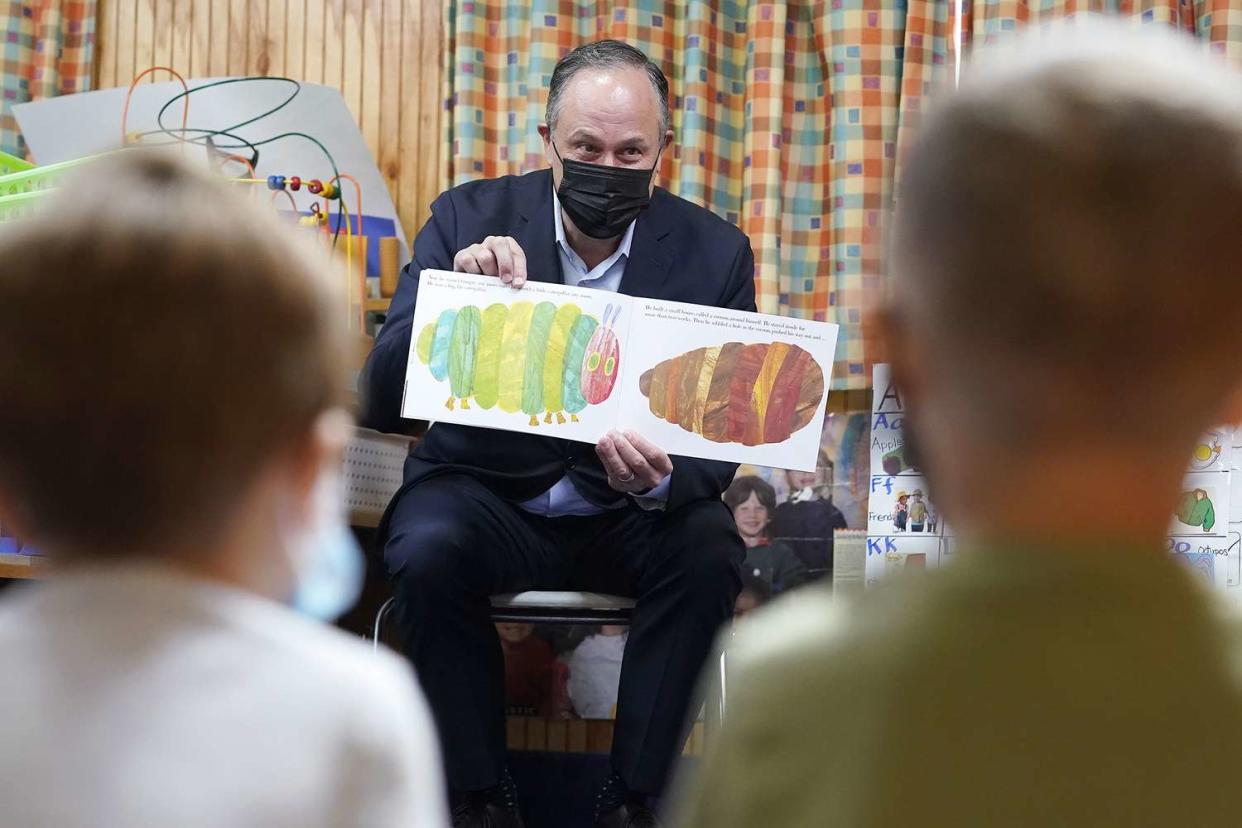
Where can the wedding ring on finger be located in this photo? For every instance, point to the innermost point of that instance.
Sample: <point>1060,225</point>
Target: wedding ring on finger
<point>629,477</point>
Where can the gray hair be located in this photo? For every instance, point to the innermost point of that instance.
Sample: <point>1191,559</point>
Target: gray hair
<point>604,54</point>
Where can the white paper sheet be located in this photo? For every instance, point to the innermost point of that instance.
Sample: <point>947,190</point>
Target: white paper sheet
<point>89,123</point>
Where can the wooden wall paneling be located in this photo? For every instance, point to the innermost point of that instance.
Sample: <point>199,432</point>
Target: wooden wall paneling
<point>371,58</point>
<point>407,195</point>
<point>258,56</point>
<point>392,73</point>
<point>218,39</point>
<point>239,36</point>
<point>200,45</point>
<point>295,39</point>
<point>515,732</point>
<point>277,39</point>
<point>351,55</point>
<point>384,55</point>
<point>127,30</point>
<point>599,735</point>
<point>333,48</point>
<point>148,49</point>
<point>181,27</point>
<point>314,41</point>
<point>536,733</point>
<point>103,73</point>
<point>576,736</point>
<point>430,50</point>
<point>557,730</point>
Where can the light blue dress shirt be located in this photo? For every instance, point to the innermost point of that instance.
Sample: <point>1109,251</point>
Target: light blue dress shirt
<point>564,498</point>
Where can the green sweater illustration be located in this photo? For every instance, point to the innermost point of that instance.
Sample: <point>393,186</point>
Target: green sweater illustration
<point>1195,509</point>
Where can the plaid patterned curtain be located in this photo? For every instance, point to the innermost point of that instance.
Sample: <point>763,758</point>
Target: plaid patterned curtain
<point>757,89</point>
<point>1216,22</point>
<point>48,50</point>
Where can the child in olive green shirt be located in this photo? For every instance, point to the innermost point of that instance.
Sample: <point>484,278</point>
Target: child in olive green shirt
<point>1061,218</point>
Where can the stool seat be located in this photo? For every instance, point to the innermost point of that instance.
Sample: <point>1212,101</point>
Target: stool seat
<point>539,607</point>
<point>538,599</point>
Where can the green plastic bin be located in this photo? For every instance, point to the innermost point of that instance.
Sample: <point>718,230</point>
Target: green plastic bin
<point>34,178</point>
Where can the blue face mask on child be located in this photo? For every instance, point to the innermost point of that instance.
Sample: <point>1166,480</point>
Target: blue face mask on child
<point>328,565</point>
<point>331,582</point>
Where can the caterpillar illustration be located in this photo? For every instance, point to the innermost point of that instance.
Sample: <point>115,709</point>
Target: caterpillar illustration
<point>737,393</point>
<point>533,358</point>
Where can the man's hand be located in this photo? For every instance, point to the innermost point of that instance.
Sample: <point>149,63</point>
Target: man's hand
<point>495,256</point>
<point>633,463</point>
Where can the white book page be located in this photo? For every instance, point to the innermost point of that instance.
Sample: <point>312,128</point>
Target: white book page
<point>543,359</point>
<point>727,385</point>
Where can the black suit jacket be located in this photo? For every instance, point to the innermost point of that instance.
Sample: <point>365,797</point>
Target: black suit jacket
<point>679,251</point>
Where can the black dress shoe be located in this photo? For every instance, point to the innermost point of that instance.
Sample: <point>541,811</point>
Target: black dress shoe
<point>633,814</point>
<point>477,812</point>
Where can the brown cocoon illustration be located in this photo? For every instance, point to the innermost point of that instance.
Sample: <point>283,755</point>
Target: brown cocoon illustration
<point>737,393</point>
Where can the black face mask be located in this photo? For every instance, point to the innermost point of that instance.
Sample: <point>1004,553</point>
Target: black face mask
<point>603,200</point>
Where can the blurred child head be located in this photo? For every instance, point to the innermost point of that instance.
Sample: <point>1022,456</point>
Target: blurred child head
<point>1065,252</point>
<point>819,481</point>
<point>170,365</point>
<point>800,479</point>
<point>752,501</point>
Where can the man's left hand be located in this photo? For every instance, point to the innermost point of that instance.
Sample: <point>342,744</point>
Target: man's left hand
<point>633,463</point>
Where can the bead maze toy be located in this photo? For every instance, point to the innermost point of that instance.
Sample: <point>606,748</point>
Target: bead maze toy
<point>23,184</point>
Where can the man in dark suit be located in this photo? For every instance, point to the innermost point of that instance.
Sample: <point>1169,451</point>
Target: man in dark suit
<point>484,512</point>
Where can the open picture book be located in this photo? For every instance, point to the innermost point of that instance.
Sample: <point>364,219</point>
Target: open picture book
<point>575,363</point>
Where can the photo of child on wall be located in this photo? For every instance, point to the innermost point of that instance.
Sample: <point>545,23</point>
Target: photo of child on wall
<point>753,503</point>
<point>901,510</point>
<point>918,511</point>
<point>807,517</point>
<point>810,507</point>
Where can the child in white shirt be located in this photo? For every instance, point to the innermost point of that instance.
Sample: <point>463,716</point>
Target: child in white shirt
<point>172,366</point>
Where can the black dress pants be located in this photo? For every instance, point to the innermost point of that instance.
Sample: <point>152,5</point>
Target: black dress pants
<point>452,544</point>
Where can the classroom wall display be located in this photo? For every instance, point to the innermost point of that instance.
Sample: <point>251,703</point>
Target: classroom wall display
<point>905,530</point>
<point>1205,530</point>
<point>1232,559</point>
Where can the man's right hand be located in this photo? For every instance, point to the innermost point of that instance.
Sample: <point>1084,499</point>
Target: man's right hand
<point>495,256</point>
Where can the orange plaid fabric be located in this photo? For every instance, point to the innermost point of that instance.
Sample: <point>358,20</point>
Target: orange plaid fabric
<point>1216,22</point>
<point>788,118</point>
<point>48,50</point>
